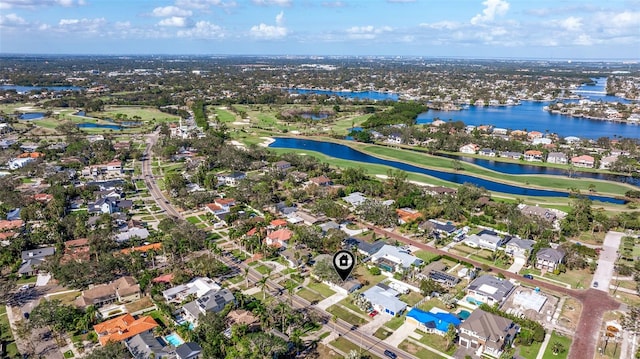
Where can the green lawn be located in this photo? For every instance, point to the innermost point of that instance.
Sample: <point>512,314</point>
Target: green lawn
<point>346,315</point>
<point>309,295</point>
<point>411,298</point>
<point>12,350</point>
<point>382,333</point>
<point>346,346</point>
<point>426,256</point>
<point>576,278</point>
<point>321,288</point>
<point>566,343</point>
<point>437,342</point>
<point>395,322</point>
<point>193,219</point>
<point>263,269</point>
<point>224,115</point>
<point>530,352</point>
<point>418,351</point>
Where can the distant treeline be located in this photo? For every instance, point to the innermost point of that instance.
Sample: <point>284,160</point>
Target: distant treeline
<point>401,113</point>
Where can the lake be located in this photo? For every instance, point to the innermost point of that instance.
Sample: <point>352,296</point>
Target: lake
<point>348,153</point>
<point>364,95</point>
<point>26,89</point>
<point>99,125</point>
<point>29,116</point>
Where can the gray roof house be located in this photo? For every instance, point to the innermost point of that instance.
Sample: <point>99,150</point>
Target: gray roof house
<point>549,258</point>
<point>355,199</point>
<point>489,289</point>
<point>519,247</point>
<point>487,333</point>
<point>557,157</point>
<point>393,259</point>
<point>363,247</point>
<point>212,301</point>
<point>384,299</point>
<point>34,257</point>
<point>145,345</point>
<point>485,239</point>
<point>329,225</point>
<point>188,350</point>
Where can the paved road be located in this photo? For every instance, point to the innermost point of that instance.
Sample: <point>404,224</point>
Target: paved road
<point>594,302</point>
<point>150,180</point>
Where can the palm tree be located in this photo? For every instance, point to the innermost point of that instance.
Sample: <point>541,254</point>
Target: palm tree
<point>246,275</point>
<point>263,285</point>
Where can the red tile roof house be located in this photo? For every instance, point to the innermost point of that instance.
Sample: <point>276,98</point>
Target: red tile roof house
<point>322,181</point>
<point>123,327</point>
<point>533,156</point>
<point>583,161</point>
<point>279,238</point>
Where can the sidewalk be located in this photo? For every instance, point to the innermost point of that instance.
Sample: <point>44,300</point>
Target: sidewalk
<point>543,347</point>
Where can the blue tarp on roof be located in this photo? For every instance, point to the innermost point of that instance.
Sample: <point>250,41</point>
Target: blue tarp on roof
<point>440,321</point>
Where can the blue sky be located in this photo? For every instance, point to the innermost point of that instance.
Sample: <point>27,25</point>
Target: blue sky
<point>559,29</point>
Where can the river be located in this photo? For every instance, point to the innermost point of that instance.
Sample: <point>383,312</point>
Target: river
<point>348,153</point>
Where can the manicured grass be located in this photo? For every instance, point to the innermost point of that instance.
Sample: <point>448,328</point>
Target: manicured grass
<point>346,315</point>
<point>263,269</point>
<point>566,343</point>
<point>322,289</point>
<point>193,219</point>
<point>224,115</point>
<point>530,352</point>
<point>411,298</point>
<point>309,295</point>
<point>576,278</point>
<point>12,350</point>
<point>418,351</point>
<point>395,322</point>
<point>346,346</point>
<point>382,333</point>
<point>159,317</point>
<point>427,257</point>
<point>66,298</point>
<point>437,342</point>
<point>26,280</point>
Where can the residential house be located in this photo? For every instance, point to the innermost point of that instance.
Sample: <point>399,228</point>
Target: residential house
<point>549,258</point>
<point>231,179</point>
<point>32,258</point>
<point>17,163</point>
<point>197,286</point>
<point>43,197</point>
<point>279,238</point>
<point>122,290</point>
<point>394,259</point>
<point>243,317</point>
<point>536,211</point>
<point>14,214</point>
<point>145,345</point>
<point>384,299</point>
<point>325,227</point>
<point>126,235</point>
<point>76,250</point>
<point>296,257</point>
<point>439,190</point>
<point>533,156</point>
<point>143,249</point>
<point>485,239</point>
<point>489,289</point>
<point>557,157</point>
<point>282,166</point>
<point>534,134</point>
<point>123,327</point>
<point>519,247</point>
<point>434,321</point>
<point>607,161</point>
<point>469,148</point>
<point>108,205</point>
<point>322,181</point>
<point>438,227</point>
<point>355,199</point>
<point>188,350</point>
<point>407,215</point>
<point>541,141</point>
<point>487,333</point>
<point>211,301</point>
<point>436,272</point>
<point>366,248</point>
<point>585,161</point>
<point>487,152</point>
<point>499,131</point>
<point>306,218</point>
<point>395,138</point>
<point>511,154</point>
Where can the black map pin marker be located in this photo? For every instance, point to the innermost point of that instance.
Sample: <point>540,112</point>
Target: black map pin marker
<point>344,262</point>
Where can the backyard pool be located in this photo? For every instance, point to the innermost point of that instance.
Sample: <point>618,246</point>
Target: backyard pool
<point>174,339</point>
<point>463,314</point>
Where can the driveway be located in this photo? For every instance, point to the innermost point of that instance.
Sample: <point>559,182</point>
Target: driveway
<point>518,263</point>
<point>607,260</point>
<point>334,299</point>
<point>378,321</point>
<point>400,334</point>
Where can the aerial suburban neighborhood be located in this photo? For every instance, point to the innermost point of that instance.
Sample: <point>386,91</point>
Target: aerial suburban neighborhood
<point>174,209</point>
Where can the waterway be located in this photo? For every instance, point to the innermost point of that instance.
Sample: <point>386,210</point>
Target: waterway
<point>27,89</point>
<point>523,169</point>
<point>99,125</point>
<point>30,116</point>
<point>364,95</point>
<point>348,153</point>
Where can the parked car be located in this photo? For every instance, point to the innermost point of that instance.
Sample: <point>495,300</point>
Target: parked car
<point>528,276</point>
<point>373,313</point>
<point>595,284</point>
<point>390,354</point>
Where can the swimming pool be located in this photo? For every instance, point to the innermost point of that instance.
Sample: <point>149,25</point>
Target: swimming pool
<point>174,339</point>
<point>463,314</point>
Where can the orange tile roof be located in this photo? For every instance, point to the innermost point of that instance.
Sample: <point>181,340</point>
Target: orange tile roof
<point>31,155</point>
<point>43,197</point>
<point>166,278</point>
<point>6,235</point>
<point>145,248</point>
<point>225,201</point>
<point>278,222</point>
<point>76,243</point>
<point>123,327</point>
<point>252,231</point>
<point>213,207</point>
<point>533,153</point>
<point>6,225</point>
<point>281,235</point>
<point>408,216</point>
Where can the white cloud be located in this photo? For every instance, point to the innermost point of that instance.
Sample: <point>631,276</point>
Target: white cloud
<point>33,4</point>
<point>333,4</point>
<point>174,21</point>
<point>11,20</point>
<point>273,2</point>
<point>571,23</point>
<point>85,26</point>
<point>205,4</point>
<point>584,40</point>
<point>203,30</point>
<point>442,25</point>
<point>492,9</point>
<point>367,32</point>
<point>264,31</point>
<point>168,11</point>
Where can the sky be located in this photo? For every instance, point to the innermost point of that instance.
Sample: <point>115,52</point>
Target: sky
<point>528,29</point>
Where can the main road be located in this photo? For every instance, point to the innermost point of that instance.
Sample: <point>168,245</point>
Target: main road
<point>594,302</point>
<point>150,180</point>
